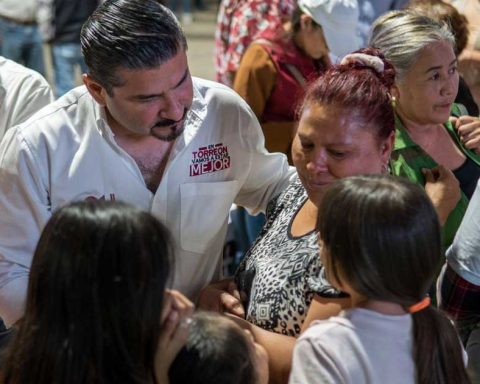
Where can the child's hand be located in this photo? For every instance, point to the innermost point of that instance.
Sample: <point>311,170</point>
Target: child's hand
<point>175,321</point>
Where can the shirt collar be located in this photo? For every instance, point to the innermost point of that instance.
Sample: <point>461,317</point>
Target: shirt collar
<point>402,138</point>
<point>196,115</point>
<point>102,121</point>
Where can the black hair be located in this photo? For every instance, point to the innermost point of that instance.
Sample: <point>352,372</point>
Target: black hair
<point>381,235</point>
<point>130,34</point>
<point>217,351</point>
<point>94,300</point>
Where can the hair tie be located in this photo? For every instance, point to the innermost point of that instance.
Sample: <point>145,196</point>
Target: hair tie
<point>422,304</point>
<point>367,60</point>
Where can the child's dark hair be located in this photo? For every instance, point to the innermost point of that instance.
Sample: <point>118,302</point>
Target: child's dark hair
<point>359,88</point>
<point>382,236</point>
<point>217,351</point>
<point>95,297</point>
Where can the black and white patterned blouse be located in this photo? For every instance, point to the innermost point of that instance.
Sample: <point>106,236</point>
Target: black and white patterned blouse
<point>280,273</point>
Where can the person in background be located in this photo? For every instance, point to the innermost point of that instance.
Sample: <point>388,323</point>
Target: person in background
<point>60,22</point>
<point>219,351</point>
<point>238,23</point>
<point>469,59</point>
<point>22,93</point>
<point>143,131</point>
<point>20,39</point>
<point>97,307</point>
<point>427,145</point>
<point>370,10</point>
<point>442,11</point>
<point>384,253</point>
<point>186,6</point>
<point>459,284</point>
<point>278,65</point>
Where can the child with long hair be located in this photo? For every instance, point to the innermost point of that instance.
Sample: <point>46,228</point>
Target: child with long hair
<point>97,309</point>
<point>380,243</point>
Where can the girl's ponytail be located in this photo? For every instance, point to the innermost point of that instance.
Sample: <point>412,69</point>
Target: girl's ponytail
<point>437,350</point>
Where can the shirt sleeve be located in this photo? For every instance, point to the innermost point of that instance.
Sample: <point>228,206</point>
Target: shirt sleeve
<point>255,78</point>
<point>313,364</point>
<point>463,255</point>
<point>269,175</point>
<point>24,209</point>
<point>29,96</point>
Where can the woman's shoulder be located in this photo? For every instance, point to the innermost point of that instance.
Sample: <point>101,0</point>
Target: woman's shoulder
<point>291,197</point>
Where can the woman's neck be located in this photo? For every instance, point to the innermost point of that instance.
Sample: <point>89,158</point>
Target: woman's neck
<point>415,128</point>
<point>305,219</point>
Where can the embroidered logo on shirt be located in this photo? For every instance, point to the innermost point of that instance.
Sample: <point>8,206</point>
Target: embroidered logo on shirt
<point>211,158</point>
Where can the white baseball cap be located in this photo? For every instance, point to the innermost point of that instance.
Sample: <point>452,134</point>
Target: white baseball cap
<point>338,19</point>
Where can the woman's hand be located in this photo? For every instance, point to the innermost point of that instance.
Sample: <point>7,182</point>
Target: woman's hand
<point>175,321</point>
<point>222,297</point>
<point>443,189</point>
<point>468,128</point>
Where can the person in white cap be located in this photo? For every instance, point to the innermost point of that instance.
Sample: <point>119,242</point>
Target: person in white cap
<point>339,21</point>
<point>281,61</point>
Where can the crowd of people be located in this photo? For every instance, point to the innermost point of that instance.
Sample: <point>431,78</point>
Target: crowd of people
<point>363,154</point>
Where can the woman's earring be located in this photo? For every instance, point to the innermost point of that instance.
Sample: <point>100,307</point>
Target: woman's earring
<point>394,101</point>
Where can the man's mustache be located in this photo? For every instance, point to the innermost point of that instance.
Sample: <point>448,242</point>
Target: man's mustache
<point>170,122</point>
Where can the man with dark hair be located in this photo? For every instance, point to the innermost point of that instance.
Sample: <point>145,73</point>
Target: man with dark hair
<point>141,130</point>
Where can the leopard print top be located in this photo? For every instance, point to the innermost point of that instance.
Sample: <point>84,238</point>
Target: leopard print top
<point>280,273</point>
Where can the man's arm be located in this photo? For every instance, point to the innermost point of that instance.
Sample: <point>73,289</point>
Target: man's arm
<point>268,174</point>
<point>24,209</point>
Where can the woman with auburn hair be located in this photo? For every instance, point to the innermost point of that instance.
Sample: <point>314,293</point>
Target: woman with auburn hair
<point>346,127</point>
<point>97,310</point>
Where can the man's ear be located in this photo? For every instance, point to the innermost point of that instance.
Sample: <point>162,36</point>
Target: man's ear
<point>97,91</point>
